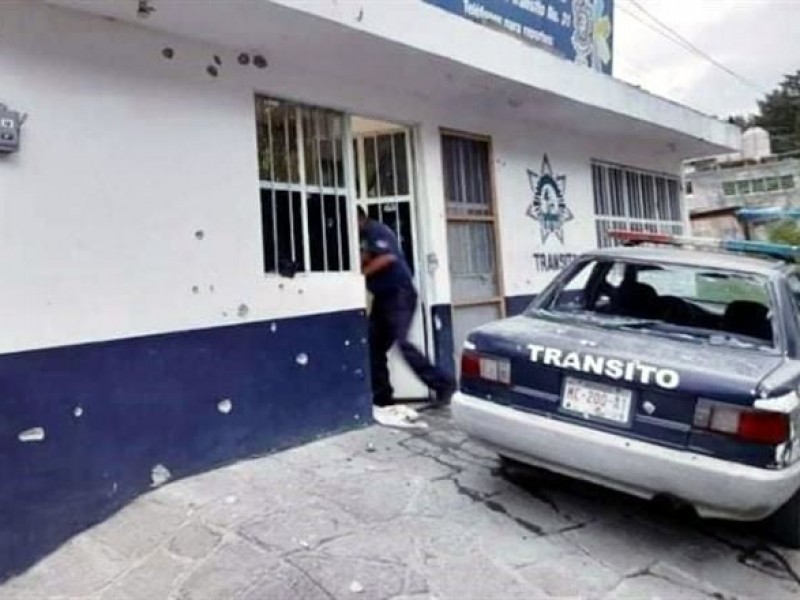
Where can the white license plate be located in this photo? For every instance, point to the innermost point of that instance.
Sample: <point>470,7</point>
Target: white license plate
<point>595,400</point>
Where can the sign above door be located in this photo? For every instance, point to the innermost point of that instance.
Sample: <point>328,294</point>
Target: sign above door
<point>578,30</point>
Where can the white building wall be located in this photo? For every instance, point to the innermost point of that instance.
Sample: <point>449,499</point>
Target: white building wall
<point>571,156</point>
<point>126,155</point>
<point>425,27</point>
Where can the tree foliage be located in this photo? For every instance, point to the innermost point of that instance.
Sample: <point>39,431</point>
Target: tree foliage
<point>779,114</point>
<point>785,232</point>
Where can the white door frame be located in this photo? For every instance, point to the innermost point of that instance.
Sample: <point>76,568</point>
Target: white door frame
<point>405,384</point>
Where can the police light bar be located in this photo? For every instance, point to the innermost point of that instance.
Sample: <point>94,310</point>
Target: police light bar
<point>633,238</point>
<point>767,214</point>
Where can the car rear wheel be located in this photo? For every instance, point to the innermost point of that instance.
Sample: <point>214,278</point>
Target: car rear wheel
<point>784,525</point>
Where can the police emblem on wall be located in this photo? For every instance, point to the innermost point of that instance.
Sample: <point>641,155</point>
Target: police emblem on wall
<point>549,206</point>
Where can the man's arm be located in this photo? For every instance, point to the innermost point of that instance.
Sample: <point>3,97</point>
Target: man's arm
<point>376,254</point>
<point>376,264</point>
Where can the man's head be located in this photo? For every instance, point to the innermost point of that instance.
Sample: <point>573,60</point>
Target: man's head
<point>362,217</point>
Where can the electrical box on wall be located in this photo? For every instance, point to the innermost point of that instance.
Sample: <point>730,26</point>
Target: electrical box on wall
<point>10,126</point>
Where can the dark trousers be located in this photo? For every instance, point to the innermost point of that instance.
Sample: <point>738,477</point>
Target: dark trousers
<point>389,322</point>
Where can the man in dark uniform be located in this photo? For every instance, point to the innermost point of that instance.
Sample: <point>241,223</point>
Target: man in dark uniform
<point>394,301</point>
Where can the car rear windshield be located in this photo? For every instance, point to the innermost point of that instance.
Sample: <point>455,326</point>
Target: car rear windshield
<point>706,304</point>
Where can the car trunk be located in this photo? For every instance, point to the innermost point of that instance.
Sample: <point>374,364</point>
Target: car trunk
<point>635,383</point>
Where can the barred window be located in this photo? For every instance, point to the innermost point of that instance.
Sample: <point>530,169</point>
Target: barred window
<point>470,219</point>
<point>304,191</point>
<point>744,187</point>
<point>467,181</point>
<point>626,198</point>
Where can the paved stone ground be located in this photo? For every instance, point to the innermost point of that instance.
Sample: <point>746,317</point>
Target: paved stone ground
<point>388,514</point>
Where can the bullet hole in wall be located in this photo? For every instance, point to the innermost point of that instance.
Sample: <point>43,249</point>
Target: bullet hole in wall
<point>159,475</point>
<point>288,268</point>
<point>260,62</point>
<point>244,59</point>
<point>144,9</point>
<point>217,60</point>
<point>199,234</point>
<point>35,434</point>
<point>168,53</point>
<point>212,70</point>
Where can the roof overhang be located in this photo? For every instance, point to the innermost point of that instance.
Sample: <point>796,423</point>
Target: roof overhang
<point>438,58</point>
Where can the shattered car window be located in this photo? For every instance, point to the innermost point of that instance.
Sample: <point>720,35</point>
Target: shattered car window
<point>709,304</point>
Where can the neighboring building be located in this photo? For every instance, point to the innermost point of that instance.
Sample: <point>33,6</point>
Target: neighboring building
<point>718,185</point>
<point>719,223</point>
<point>180,250</point>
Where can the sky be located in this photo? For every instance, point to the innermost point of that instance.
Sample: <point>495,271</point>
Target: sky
<point>757,39</point>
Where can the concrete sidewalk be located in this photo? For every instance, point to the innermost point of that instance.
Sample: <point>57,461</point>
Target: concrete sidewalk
<point>388,514</point>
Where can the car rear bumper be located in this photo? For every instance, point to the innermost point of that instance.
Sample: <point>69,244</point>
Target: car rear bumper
<point>716,488</point>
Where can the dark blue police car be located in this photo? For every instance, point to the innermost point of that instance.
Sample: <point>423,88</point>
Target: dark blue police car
<point>657,371</point>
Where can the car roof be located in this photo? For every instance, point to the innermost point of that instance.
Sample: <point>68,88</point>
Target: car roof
<point>726,261</point>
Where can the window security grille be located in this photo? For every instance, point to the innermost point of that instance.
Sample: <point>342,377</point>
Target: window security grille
<point>633,199</point>
<point>304,191</point>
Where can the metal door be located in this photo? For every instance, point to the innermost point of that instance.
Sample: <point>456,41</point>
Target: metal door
<point>385,188</point>
<point>475,280</point>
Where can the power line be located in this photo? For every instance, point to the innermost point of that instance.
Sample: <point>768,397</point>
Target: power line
<point>633,68</point>
<point>672,35</point>
<point>675,36</point>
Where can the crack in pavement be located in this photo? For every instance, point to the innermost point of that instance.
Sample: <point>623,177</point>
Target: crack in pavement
<point>782,570</point>
<point>648,572</point>
<point>767,567</point>
<point>448,449</point>
<point>313,580</point>
<point>473,495</point>
<point>486,498</point>
<point>407,569</point>
<point>525,482</point>
<point>500,509</point>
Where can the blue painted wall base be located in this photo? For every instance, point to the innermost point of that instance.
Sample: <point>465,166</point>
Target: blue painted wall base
<point>111,411</point>
<point>443,344</point>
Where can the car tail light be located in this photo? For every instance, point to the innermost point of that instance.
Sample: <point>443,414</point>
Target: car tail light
<point>764,427</point>
<point>758,426</point>
<point>470,365</point>
<point>476,366</point>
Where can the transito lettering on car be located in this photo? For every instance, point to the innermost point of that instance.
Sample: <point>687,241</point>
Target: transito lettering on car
<point>613,368</point>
